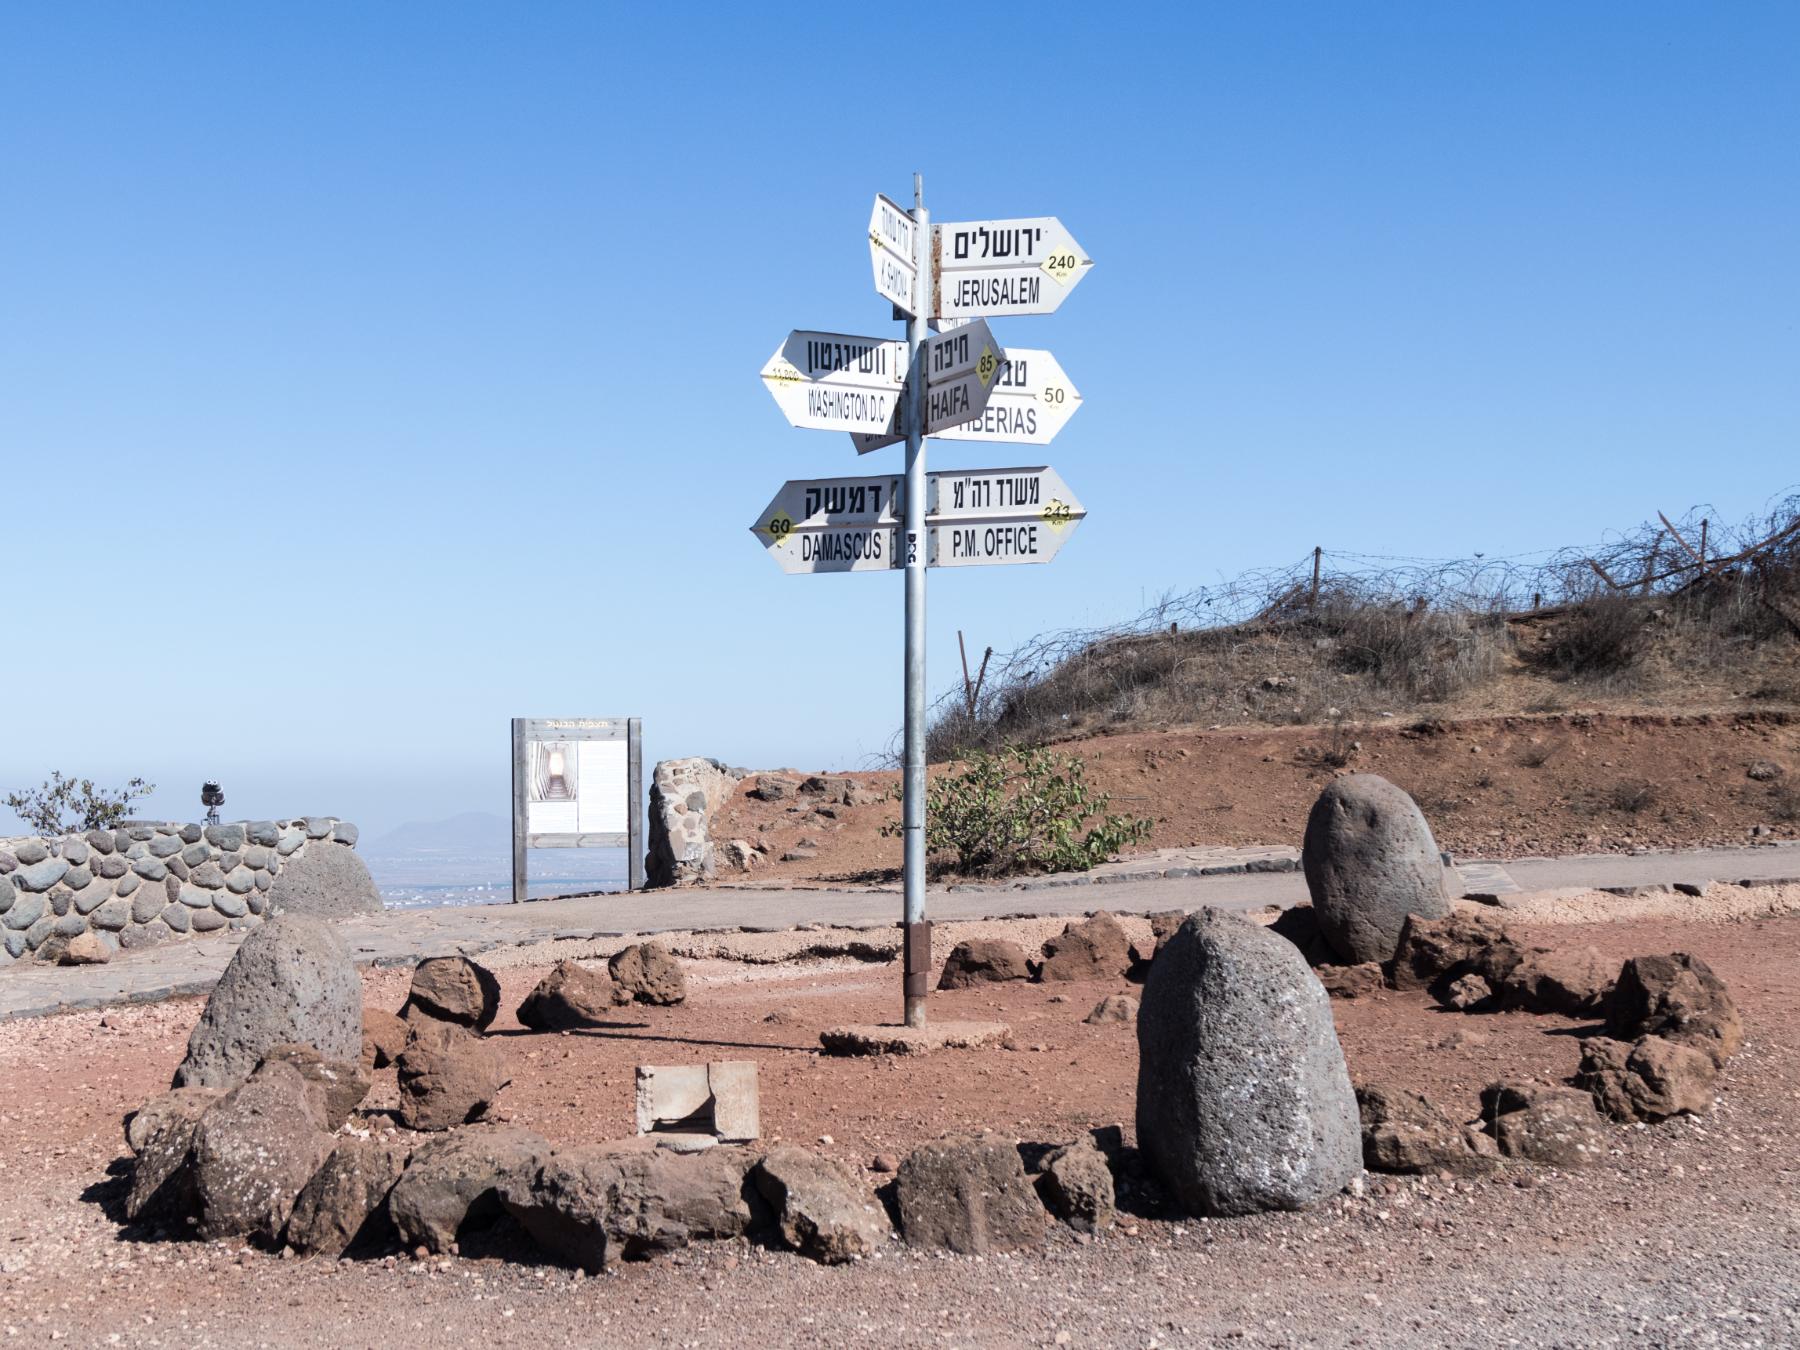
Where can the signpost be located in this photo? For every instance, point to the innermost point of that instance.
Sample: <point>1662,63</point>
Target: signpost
<point>973,517</point>
<point>992,267</point>
<point>957,383</point>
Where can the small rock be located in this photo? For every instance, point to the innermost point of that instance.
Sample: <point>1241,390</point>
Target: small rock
<point>448,1075</point>
<point>384,1037</point>
<point>1468,993</point>
<point>1114,1008</point>
<point>1358,981</point>
<point>453,989</point>
<point>648,973</point>
<point>1077,1187</point>
<point>1650,1080</point>
<point>1677,997</point>
<point>981,961</point>
<point>345,1202</point>
<point>570,996</point>
<point>1093,949</point>
<point>1557,1126</point>
<point>1403,1132</point>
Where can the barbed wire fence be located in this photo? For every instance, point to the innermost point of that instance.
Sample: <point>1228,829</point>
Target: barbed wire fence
<point>1753,562</point>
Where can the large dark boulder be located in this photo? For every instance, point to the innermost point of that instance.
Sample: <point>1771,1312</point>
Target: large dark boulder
<point>820,1206</point>
<point>255,1150</point>
<point>327,880</point>
<point>1243,1099</point>
<point>592,1204</point>
<point>1403,1132</point>
<point>345,1203</point>
<point>448,1076</point>
<point>1679,998</point>
<point>968,1193</point>
<point>291,981</point>
<point>452,1184</point>
<point>1370,861</point>
<point>1650,1080</point>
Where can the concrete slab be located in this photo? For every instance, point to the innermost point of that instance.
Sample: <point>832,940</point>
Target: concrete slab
<point>886,1040</point>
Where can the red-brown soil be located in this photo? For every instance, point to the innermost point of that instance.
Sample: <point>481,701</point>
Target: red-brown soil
<point>1688,1233</point>
<point>1499,787</point>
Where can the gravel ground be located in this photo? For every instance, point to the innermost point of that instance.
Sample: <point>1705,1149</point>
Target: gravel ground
<point>1688,1234</point>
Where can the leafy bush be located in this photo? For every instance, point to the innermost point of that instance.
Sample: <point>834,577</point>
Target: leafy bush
<point>65,805</point>
<point>1023,811</point>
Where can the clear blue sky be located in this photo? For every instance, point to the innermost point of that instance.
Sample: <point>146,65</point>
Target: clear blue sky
<point>380,372</point>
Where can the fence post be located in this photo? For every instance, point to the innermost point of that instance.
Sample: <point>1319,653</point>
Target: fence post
<point>1313,600</point>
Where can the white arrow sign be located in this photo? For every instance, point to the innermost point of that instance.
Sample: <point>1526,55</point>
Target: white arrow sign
<point>893,254</point>
<point>993,267</point>
<point>832,525</point>
<point>962,368</point>
<point>973,517</point>
<point>835,382</point>
<point>987,517</point>
<point>1029,405</point>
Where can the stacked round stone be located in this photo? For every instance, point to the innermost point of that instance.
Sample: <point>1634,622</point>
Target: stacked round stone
<point>142,884</point>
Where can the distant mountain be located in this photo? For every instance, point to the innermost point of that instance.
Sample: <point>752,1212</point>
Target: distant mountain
<point>472,832</point>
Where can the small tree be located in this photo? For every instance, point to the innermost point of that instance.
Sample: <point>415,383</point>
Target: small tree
<point>1023,811</point>
<point>66,805</point>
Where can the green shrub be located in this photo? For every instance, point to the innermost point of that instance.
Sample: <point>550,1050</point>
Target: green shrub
<point>1022,810</point>
<point>66,805</point>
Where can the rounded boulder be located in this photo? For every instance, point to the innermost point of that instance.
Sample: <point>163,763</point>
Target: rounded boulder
<point>327,881</point>
<point>1370,862</point>
<point>1243,1099</point>
<point>291,981</point>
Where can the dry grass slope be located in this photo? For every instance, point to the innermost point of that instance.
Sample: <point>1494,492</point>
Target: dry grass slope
<point>1692,629</point>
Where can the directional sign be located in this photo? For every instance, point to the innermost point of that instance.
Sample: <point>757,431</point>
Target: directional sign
<point>1029,405</point>
<point>832,525</point>
<point>892,251</point>
<point>972,517</point>
<point>988,267</point>
<point>835,382</point>
<point>964,367</point>
<point>987,517</point>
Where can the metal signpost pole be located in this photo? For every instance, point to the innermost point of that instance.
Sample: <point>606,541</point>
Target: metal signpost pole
<point>917,934</point>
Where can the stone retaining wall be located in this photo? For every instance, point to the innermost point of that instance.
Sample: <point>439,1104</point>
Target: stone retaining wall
<point>143,883</point>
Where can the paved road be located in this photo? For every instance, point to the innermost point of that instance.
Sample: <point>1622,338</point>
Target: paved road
<point>408,935</point>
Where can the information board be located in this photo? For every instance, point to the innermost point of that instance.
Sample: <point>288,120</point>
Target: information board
<point>577,783</point>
